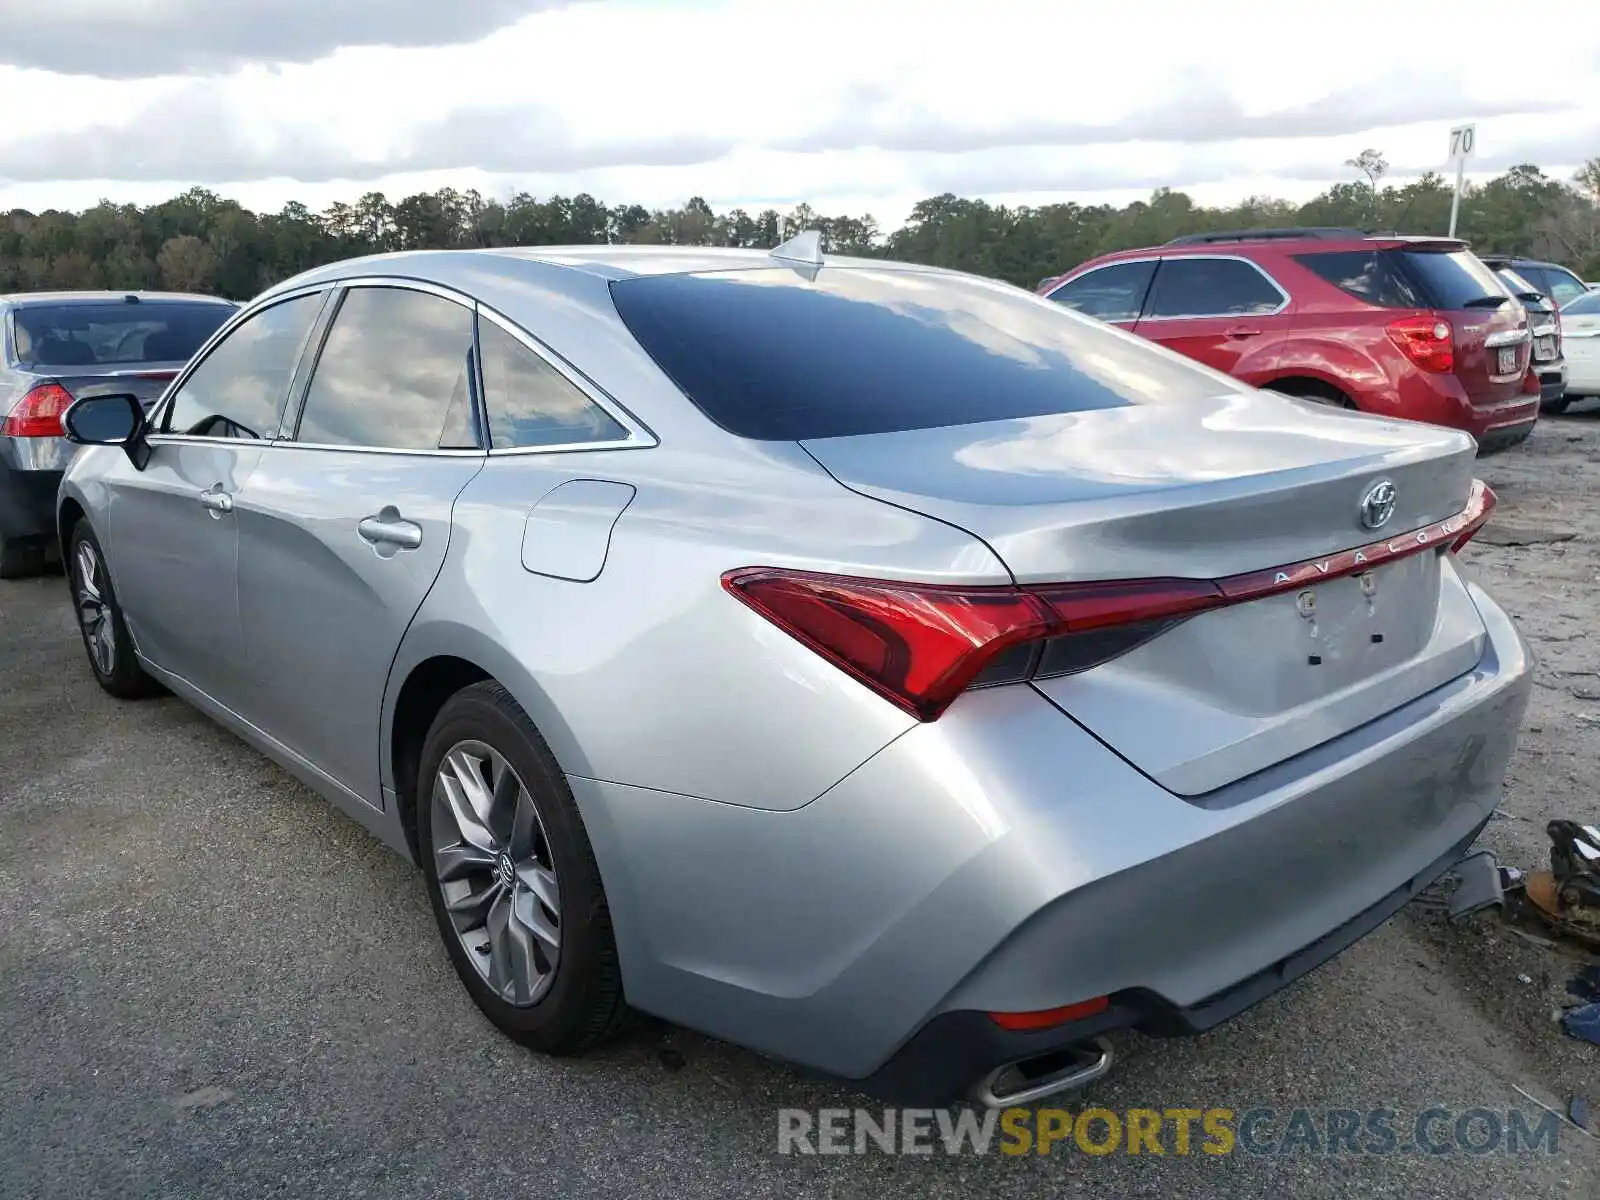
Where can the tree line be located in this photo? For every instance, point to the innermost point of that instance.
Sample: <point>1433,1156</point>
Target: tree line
<point>201,242</point>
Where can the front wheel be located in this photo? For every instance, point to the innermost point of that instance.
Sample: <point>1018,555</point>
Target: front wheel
<point>512,877</point>
<point>105,634</point>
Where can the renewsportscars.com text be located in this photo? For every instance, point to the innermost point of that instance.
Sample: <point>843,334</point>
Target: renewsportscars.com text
<point>1434,1131</point>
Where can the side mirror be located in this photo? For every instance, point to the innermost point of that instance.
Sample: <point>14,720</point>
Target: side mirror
<point>116,420</point>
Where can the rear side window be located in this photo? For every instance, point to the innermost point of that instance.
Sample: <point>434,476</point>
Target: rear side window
<point>768,354</point>
<point>395,373</point>
<point>1452,279</point>
<point>238,389</point>
<point>114,334</point>
<point>1365,274</point>
<point>1112,293</point>
<point>530,403</point>
<point>1211,287</point>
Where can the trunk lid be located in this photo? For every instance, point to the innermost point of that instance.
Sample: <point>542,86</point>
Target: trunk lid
<point>1493,344</point>
<point>146,381</point>
<point>1243,482</point>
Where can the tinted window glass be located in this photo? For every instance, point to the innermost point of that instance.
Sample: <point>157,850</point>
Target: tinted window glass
<point>1452,280</point>
<point>1586,305</point>
<point>114,334</point>
<point>766,354</point>
<point>1517,284</point>
<point>1554,282</point>
<point>393,373</point>
<point>530,403</point>
<point>1114,293</point>
<point>1364,274</point>
<point>237,390</point>
<point>1208,287</point>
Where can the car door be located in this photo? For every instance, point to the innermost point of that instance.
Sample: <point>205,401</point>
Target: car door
<point>174,548</point>
<point>345,522</point>
<point>1213,309</point>
<point>1114,293</point>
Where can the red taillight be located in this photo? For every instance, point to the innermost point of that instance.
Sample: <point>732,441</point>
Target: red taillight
<point>916,644</point>
<point>38,413</point>
<point>920,645</point>
<point>1049,1018</point>
<point>1427,341</point>
<point>1476,514</point>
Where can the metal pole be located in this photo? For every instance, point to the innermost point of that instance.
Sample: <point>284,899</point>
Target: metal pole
<point>1455,200</point>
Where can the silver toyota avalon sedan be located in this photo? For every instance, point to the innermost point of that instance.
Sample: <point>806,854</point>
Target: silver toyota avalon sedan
<point>874,665</point>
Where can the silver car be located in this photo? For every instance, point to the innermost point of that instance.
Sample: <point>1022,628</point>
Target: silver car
<point>56,347</point>
<point>877,666</point>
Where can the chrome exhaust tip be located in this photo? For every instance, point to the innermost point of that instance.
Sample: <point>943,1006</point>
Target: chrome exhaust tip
<point>1031,1079</point>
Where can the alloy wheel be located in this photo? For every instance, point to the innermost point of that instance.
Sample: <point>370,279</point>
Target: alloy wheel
<point>496,872</point>
<point>94,613</point>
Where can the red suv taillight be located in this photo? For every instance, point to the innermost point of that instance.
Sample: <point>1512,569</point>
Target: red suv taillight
<point>1427,341</point>
<point>920,645</point>
<point>38,413</point>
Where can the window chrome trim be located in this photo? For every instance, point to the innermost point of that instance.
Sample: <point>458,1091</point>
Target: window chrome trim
<point>1160,260</point>
<point>290,424</point>
<point>639,436</point>
<point>158,410</point>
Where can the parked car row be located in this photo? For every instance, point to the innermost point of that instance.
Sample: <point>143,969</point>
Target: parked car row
<point>56,348</point>
<point>1413,327</point>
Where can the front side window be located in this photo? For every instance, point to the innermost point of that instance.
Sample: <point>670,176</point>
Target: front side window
<point>1560,285</point>
<point>394,373</point>
<point>530,403</point>
<point>1211,287</point>
<point>1113,293</point>
<point>238,390</point>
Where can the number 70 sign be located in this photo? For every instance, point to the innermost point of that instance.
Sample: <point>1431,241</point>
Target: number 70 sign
<point>1463,142</point>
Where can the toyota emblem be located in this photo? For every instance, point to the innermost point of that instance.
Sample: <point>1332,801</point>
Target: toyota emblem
<point>1377,505</point>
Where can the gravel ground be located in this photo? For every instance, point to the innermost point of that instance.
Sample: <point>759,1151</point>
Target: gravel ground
<point>211,984</point>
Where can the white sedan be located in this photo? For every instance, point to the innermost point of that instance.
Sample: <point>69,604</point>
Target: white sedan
<point>1580,333</point>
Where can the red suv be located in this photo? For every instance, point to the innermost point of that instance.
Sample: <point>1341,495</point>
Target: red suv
<point>1412,327</point>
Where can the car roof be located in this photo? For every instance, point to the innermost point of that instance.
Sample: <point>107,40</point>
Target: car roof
<point>1232,243</point>
<point>32,299</point>
<point>601,262</point>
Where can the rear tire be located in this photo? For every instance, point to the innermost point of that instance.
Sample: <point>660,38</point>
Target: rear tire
<point>105,634</point>
<point>1556,407</point>
<point>512,877</point>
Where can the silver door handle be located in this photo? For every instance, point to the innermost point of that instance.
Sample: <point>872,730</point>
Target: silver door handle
<point>217,500</point>
<point>393,531</point>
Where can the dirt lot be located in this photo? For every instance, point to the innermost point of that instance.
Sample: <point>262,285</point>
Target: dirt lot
<point>213,985</point>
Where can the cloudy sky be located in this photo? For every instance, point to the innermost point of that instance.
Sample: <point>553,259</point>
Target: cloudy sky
<point>854,105</point>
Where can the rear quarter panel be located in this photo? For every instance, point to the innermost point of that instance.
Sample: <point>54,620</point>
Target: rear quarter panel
<point>651,674</point>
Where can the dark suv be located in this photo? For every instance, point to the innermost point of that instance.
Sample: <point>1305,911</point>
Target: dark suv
<point>1411,327</point>
<point>1549,360</point>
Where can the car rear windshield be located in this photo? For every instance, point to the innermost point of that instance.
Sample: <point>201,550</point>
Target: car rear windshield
<point>114,333</point>
<point>1453,279</point>
<point>769,355</point>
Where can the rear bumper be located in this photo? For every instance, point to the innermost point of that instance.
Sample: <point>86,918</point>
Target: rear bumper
<point>1442,400</point>
<point>1002,860</point>
<point>27,503</point>
<point>952,1050</point>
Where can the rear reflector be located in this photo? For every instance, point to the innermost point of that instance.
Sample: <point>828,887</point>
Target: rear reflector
<point>1049,1018</point>
<point>919,645</point>
<point>38,413</point>
<point>1427,341</point>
